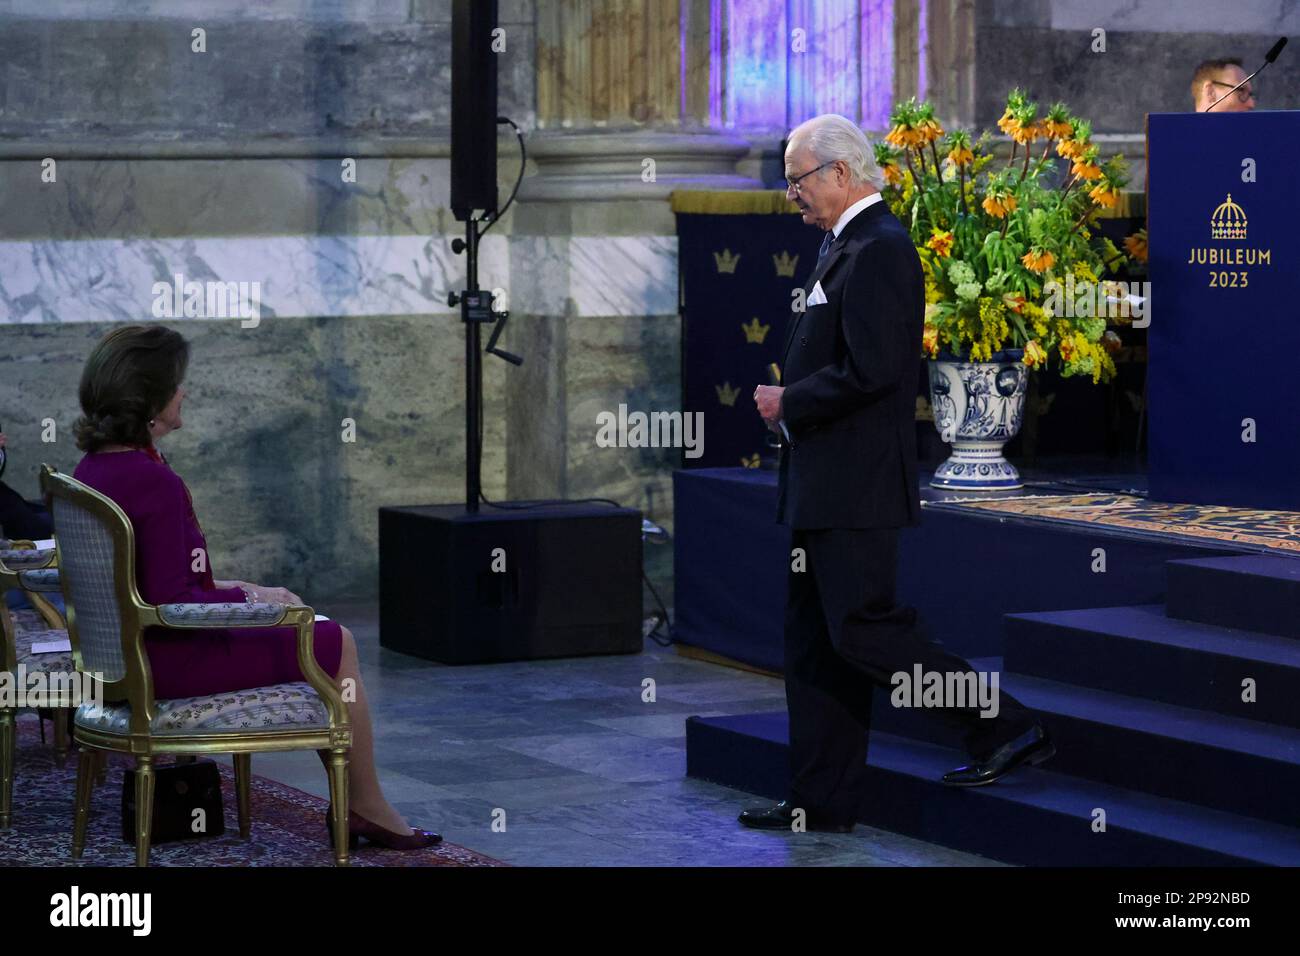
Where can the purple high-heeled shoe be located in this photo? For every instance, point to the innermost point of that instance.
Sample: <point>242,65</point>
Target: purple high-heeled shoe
<point>359,826</point>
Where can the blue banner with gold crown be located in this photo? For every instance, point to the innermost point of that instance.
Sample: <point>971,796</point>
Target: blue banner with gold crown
<point>1225,289</point>
<point>741,254</point>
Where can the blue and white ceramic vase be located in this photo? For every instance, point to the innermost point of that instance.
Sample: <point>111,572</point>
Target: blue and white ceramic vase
<point>978,408</point>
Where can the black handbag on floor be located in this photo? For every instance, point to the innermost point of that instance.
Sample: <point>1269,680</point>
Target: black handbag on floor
<point>179,790</point>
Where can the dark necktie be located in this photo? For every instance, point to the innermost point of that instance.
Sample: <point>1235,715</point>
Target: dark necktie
<point>826,246</point>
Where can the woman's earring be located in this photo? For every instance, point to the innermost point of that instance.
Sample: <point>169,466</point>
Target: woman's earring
<point>151,422</point>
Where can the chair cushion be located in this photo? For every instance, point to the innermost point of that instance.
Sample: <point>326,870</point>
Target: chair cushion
<point>13,560</point>
<point>292,706</point>
<point>45,579</point>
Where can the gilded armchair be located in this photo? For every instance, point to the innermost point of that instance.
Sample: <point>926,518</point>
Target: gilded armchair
<point>95,555</point>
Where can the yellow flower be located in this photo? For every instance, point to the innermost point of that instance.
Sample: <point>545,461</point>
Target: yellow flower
<point>1104,196</point>
<point>930,340</point>
<point>1086,170</point>
<point>1070,149</point>
<point>941,242</point>
<point>1039,261</point>
<point>1054,129</point>
<point>1066,348</point>
<point>1008,123</point>
<point>1034,355</point>
<point>962,156</point>
<point>904,137</point>
<point>998,205</point>
<point>1136,245</point>
<point>1013,302</point>
<point>1026,133</point>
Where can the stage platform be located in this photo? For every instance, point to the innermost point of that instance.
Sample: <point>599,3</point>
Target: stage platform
<point>1170,681</point>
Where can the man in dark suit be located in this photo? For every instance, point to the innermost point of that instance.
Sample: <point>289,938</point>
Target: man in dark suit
<point>848,484</point>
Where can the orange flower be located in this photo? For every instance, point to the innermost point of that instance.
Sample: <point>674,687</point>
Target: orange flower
<point>1066,348</point>
<point>962,157</point>
<point>941,242</point>
<point>1070,148</point>
<point>1034,354</point>
<point>904,137</point>
<point>1054,129</point>
<point>1008,123</point>
<point>1039,261</point>
<point>930,340</point>
<point>1026,133</point>
<point>1013,302</point>
<point>1085,170</point>
<point>1136,245</point>
<point>893,175</point>
<point>1103,195</point>
<point>998,205</point>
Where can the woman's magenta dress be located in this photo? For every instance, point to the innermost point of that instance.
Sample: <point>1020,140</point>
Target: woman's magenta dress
<point>193,663</point>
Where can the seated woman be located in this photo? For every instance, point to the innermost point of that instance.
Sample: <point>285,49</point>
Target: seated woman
<point>131,395</point>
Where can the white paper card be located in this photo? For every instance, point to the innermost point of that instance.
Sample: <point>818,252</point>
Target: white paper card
<point>51,647</point>
<point>46,544</point>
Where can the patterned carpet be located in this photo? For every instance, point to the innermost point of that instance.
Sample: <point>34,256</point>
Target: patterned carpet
<point>288,825</point>
<point>1277,531</point>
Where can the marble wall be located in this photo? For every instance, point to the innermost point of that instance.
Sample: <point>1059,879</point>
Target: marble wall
<point>228,170</point>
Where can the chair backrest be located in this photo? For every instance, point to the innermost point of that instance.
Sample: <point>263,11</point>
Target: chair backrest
<point>96,558</point>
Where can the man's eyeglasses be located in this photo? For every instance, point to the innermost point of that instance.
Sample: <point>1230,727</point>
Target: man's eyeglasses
<point>794,183</point>
<point>1243,94</point>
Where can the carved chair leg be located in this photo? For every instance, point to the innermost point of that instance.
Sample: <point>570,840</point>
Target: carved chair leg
<point>243,778</point>
<point>144,781</point>
<point>62,738</point>
<point>338,775</point>
<point>7,734</point>
<point>81,815</point>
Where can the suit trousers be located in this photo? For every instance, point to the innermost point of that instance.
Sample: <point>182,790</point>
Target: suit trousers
<point>844,636</point>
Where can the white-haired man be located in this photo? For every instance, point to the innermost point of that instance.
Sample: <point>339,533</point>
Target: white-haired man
<point>848,483</point>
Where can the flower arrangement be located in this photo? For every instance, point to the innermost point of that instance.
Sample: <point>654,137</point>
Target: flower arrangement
<point>995,237</point>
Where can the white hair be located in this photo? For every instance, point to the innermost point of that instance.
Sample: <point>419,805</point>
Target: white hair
<point>830,137</point>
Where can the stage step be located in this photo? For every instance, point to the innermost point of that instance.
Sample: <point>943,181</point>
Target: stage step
<point>1139,652</point>
<point>1239,766</point>
<point>1253,592</point>
<point>1037,817</point>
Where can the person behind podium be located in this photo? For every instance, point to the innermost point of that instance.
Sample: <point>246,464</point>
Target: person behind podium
<point>131,395</point>
<point>1213,79</point>
<point>847,484</point>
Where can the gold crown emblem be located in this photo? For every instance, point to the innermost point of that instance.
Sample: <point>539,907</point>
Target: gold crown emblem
<point>1228,221</point>
<point>785,266</point>
<point>726,260</point>
<point>754,332</point>
<point>726,394</point>
<point>752,461</point>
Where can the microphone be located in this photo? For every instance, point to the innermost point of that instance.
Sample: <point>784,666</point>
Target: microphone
<point>1269,57</point>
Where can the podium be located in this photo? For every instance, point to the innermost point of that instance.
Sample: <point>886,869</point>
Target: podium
<point>1224,341</point>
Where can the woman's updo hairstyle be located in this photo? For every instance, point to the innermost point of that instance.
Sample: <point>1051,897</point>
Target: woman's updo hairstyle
<point>130,376</point>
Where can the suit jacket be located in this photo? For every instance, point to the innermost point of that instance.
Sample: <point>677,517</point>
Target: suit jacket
<point>849,371</point>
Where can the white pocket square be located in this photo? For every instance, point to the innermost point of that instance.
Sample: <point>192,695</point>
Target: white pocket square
<point>817,296</point>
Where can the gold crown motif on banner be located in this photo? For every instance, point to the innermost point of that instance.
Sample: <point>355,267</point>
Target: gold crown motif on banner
<point>785,266</point>
<point>726,260</point>
<point>754,331</point>
<point>1228,221</point>
<point>726,393</point>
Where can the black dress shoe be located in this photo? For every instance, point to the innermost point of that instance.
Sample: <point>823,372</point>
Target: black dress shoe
<point>1032,747</point>
<point>781,817</point>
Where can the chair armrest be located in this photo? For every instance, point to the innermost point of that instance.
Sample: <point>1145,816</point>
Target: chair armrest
<point>17,559</point>
<point>221,615</point>
<point>17,544</point>
<point>42,579</point>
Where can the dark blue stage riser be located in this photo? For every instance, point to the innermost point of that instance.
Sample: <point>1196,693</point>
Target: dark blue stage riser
<point>1142,653</point>
<point>1036,818</point>
<point>1240,767</point>
<point>1252,592</point>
